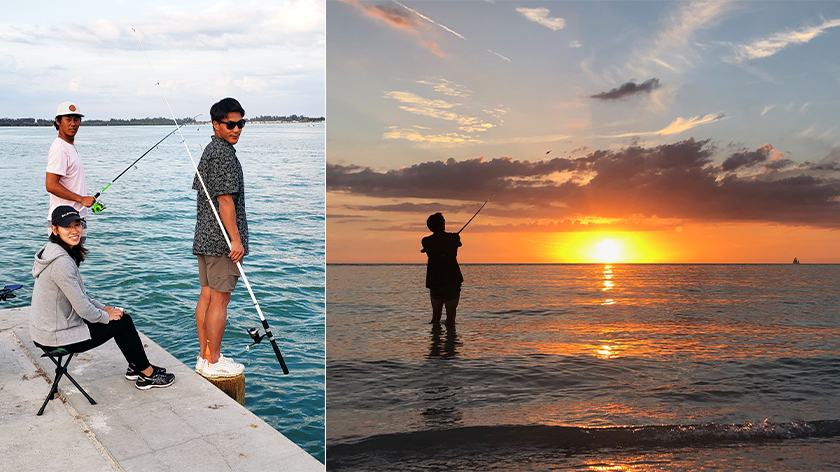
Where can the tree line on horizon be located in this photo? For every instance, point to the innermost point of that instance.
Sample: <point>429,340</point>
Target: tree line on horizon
<point>152,121</point>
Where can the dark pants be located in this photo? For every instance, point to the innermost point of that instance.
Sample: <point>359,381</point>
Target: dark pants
<point>125,335</point>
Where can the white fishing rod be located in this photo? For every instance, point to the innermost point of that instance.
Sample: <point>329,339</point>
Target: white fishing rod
<point>252,332</point>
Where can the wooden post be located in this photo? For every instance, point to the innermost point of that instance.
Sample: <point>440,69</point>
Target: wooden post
<point>234,387</point>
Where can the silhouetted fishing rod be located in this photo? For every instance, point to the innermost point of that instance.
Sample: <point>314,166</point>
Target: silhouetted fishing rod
<point>476,213</point>
<point>99,206</point>
<point>253,331</point>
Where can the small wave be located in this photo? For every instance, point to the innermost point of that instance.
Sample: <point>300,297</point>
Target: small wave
<point>502,439</point>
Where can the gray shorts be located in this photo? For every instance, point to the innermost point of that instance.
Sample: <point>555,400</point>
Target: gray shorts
<point>218,273</point>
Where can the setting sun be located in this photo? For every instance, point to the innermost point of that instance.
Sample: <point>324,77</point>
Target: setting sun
<point>608,250</point>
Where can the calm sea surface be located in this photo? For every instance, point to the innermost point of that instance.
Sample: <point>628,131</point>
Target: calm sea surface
<point>141,249</point>
<point>586,367</point>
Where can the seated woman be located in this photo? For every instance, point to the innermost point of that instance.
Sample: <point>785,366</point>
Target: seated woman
<point>62,315</point>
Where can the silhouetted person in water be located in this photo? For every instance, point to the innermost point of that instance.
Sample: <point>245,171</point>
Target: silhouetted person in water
<point>443,276</point>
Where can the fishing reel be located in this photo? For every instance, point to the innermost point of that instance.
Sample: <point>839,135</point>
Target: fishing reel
<point>6,292</point>
<point>98,207</point>
<point>255,335</point>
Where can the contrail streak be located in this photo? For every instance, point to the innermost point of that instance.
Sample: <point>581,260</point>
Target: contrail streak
<point>494,52</point>
<point>429,19</point>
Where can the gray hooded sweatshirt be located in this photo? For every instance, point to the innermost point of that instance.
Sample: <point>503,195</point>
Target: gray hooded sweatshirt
<point>59,302</point>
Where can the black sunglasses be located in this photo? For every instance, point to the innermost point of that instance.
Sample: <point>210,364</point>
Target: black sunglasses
<point>234,124</point>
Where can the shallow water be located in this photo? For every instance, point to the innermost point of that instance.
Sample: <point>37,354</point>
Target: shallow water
<point>141,249</point>
<point>586,367</point>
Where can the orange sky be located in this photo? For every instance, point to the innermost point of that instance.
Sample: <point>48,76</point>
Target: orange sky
<point>368,240</point>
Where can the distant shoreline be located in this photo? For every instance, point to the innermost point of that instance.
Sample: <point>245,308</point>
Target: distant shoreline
<point>157,121</point>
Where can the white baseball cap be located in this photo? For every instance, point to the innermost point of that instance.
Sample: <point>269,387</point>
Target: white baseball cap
<point>68,108</point>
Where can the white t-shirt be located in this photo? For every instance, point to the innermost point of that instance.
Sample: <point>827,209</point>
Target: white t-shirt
<point>64,160</point>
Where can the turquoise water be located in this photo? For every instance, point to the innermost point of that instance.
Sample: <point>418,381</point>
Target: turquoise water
<point>586,367</point>
<point>140,249</point>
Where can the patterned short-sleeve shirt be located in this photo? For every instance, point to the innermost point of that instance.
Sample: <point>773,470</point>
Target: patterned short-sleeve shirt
<point>222,174</point>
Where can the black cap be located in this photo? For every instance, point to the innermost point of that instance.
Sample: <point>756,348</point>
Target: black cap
<point>64,215</point>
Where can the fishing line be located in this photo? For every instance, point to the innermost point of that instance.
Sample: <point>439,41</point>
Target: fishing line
<point>98,206</point>
<point>256,337</point>
<point>476,213</point>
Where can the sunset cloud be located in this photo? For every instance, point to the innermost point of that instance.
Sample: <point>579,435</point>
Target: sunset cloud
<point>677,126</point>
<point>403,19</point>
<point>416,134</point>
<point>447,87</point>
<point>672,181</point>
<point>540,16</point>
<point>439,109</point>
<point>769,46</point>
<point>629,89</point>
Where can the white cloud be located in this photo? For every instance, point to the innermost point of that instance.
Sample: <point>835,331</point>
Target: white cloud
<point>540,16</point>
<point>575,44</point>
<point>222,26</point>
<point>769,46</point>
<point>766,109</point>
<point>269,55</point>
<point>672,48</point>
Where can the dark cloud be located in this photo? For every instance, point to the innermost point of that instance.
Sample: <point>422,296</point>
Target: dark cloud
<point>747,158</point>
<point>450,179</point>
<point>564,226</point>
<point>628,89</point>
<point>406,207</point>
<point>766,155</point>
<point>677,181</point>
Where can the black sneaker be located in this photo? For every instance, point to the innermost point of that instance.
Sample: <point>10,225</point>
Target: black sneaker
<point>159,378</point>
<point>132,374</point>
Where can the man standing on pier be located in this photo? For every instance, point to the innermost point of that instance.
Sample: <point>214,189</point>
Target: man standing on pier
<point>65,180</point>
<point>217,270</point>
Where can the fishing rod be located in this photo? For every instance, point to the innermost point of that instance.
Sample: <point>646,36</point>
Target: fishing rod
<point>98,206</point>
<point>257,338</point>
<point>476,213</point>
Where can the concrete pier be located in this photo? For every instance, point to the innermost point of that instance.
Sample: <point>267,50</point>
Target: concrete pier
<point>190,425</point>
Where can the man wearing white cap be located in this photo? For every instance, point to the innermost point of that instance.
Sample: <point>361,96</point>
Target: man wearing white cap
<point>65,171</point>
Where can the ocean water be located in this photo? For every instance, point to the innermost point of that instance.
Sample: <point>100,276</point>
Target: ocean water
<point>141,249</point>
<point>586,367</point>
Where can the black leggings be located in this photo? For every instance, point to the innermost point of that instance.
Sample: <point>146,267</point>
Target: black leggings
<point>125,335</point>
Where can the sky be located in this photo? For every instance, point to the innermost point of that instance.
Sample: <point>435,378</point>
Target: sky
<point>605,131</point>
<point>270,55</point>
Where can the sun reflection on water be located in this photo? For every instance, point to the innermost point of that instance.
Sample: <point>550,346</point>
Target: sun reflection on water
<point>607,352</point>
<point>608,284</point>
<point>607,467</point>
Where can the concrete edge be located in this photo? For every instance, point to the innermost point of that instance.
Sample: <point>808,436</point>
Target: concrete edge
<point>73,413</point>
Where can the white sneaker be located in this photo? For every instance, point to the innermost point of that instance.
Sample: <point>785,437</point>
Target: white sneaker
<point>200,362</point>
<point>229,361</point>
<point>222,369</point>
